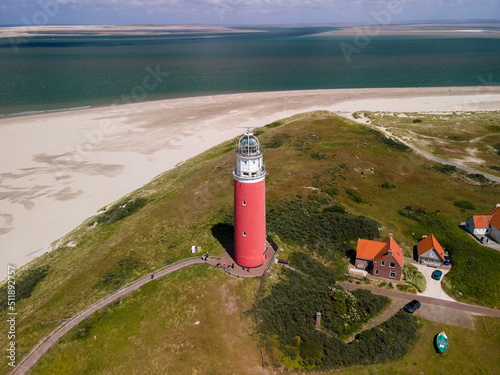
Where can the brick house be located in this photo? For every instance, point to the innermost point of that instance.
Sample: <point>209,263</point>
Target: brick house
<point>430,252</point>
<point>383,259</point>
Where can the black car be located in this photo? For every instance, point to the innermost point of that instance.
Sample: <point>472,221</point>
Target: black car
<point>412,306</point>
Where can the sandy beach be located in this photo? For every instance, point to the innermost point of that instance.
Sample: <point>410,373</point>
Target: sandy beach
<point>60,168</point>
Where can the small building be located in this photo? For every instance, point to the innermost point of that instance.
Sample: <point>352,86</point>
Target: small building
<point>478,225</point>
<point>430,252</point>
<point>383,259</point>
<point>495,226</point>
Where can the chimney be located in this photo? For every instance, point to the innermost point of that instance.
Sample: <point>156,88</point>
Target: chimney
<point>318,320</point>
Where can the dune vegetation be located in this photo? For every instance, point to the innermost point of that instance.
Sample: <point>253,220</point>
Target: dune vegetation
<point>323,171</point>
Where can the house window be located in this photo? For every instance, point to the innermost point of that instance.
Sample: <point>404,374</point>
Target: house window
<point>392,275</point>
<point>376,272</point>
<point>244,234</point>
<point>392,265</point>
<point>382,264</point>
<point>244,203</point>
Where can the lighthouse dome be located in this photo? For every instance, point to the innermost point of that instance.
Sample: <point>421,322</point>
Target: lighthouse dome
<point>249,144</point>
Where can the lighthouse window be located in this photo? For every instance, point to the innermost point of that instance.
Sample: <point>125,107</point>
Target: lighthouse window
<point>244,234</point>
<point>244,203</point>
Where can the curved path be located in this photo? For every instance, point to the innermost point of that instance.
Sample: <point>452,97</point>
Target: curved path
<point>432,157</point>
<point>47,342</point>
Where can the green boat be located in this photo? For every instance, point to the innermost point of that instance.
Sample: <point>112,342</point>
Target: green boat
<point>442,342</point>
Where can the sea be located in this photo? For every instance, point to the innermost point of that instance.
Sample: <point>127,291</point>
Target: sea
<point>57,73</point>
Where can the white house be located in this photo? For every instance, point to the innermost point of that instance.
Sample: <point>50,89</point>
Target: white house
<point>495,224</point>
<point>479,225</point>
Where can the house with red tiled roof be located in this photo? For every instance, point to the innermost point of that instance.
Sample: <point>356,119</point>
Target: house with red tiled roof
<point>430,252</point>
<point>495,226</point>
<point>383,259</point>
<point>478,225</point>
<point>485,225</point>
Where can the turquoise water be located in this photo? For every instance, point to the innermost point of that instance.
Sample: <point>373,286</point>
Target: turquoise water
<point>55,73</point>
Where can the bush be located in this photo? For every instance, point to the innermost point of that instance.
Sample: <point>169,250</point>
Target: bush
<point>388,185</point>
<point>355,196</point>
<point>445,168</point>
<point>310,266</point>
<point>407,288</point>
<point>497,147</point>
<point>464,205</point>
<point>115,278</point>
<point>414,277</point>
<point>417,121</point>
<point>286,317</point>
<point>303,223</point>
<point>121,210</point>
<point>478,177</point>
<point>26,282</point>
<point>396,145</point>
<point>494,167</point>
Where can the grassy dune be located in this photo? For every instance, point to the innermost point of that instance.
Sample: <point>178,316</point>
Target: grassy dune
<point>317,154</point>
<point>470,137</point>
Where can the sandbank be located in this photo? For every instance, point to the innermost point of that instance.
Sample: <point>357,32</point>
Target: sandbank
<point>103,30</point>
<point>60,168</point>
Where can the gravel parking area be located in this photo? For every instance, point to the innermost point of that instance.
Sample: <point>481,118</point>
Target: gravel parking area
<point>442,314</point>
<point>433,286</point>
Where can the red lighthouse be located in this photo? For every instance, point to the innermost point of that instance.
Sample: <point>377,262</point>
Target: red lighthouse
<point>249,203</point>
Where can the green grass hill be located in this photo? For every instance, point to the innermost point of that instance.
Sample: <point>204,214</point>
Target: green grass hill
<point>193,321</point>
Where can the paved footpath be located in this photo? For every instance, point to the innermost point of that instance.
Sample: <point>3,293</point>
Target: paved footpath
<point>46,343</point>
<point>433,301</point>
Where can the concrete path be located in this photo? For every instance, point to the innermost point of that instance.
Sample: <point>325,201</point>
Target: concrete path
<point>47,342</point>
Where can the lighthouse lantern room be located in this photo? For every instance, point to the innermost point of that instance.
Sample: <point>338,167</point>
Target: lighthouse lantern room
<point>249,203</point>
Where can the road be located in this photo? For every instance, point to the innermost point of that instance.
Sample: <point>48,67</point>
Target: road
<point>423,299</point>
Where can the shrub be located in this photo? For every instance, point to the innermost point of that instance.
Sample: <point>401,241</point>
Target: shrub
<point>331,191</point>
<point>310,266</point>
<point>494,167</point>
<point>115,278</point>
<point>355,196</point>
<point>26,282</point>
<point>478,177</point>
<point>417,121</point>
<point>286,317</point>
<point>464,205</point>
<point>388,185</point>
<point>121,210</point>
<point>303,223</point>
<point>407,288</point>
<point>414,277</point>
<point>445,168</point>
<point>497,147</point>
<point>396,145</point>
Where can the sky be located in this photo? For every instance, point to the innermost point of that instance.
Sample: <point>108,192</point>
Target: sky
<point>240,12</point>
